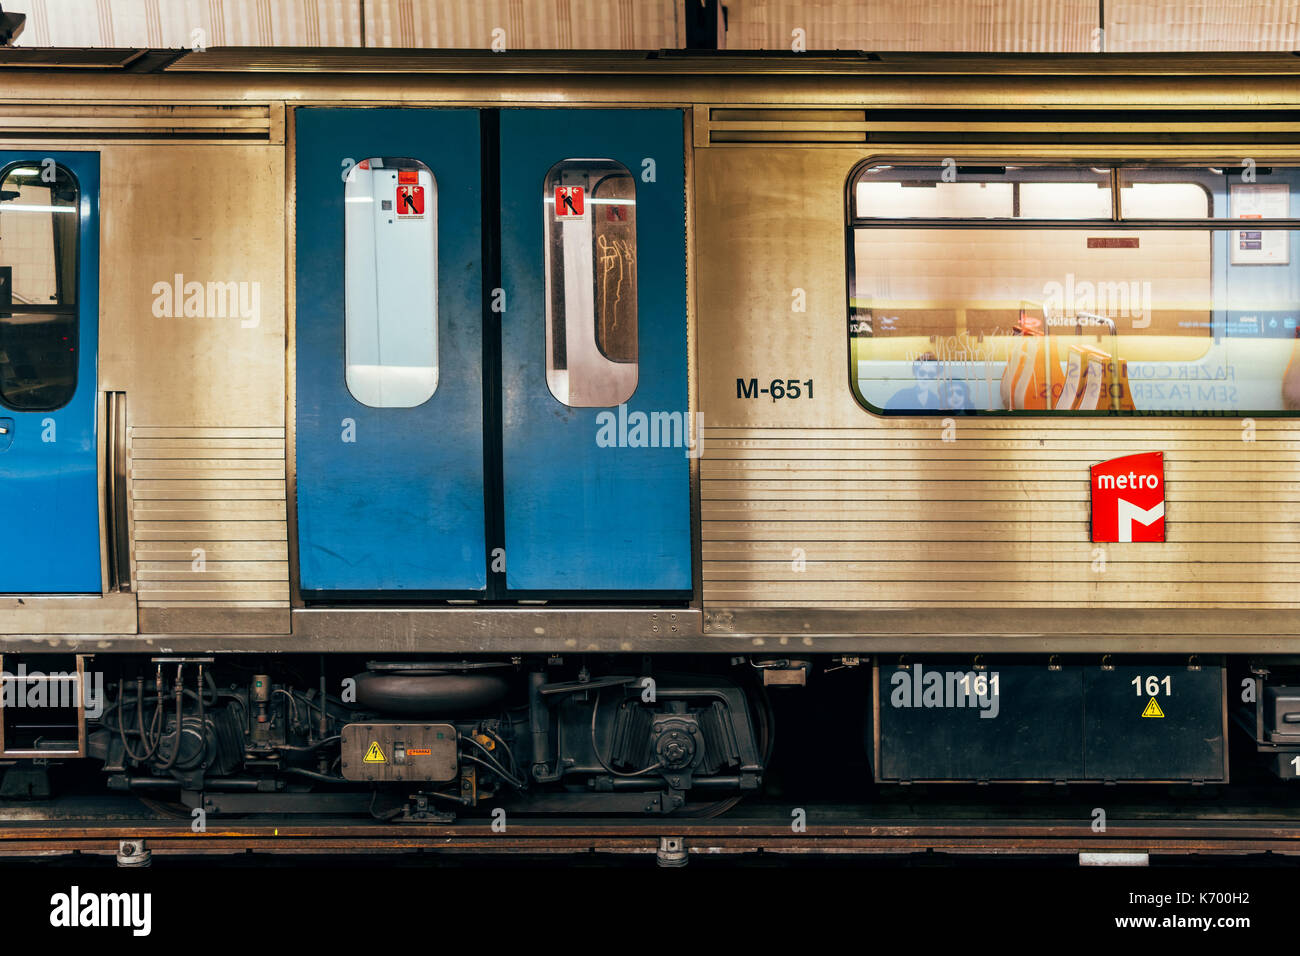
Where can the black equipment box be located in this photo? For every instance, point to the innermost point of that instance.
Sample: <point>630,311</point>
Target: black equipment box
<point>1145,721</point>
<point>1282,714</point>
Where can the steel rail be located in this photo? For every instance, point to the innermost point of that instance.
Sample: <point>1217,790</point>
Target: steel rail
<point>701,837</point>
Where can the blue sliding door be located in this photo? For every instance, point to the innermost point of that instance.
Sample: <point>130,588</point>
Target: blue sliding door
<point>594,361</point>
<point>49,337</point>
<point>389,351</point>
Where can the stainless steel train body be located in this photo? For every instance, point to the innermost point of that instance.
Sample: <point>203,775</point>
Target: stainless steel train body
<point>627,382</point>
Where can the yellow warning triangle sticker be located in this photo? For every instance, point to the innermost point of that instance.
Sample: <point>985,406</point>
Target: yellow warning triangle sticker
<point>1153,710</point>
<point>375,755</point>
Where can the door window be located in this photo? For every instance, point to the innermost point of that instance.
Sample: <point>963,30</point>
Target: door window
<point>591,322</point>
<point>38,286</point>
<point>391,258</point>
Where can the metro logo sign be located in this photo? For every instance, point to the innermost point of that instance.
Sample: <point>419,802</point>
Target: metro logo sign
<point>1128,498</point>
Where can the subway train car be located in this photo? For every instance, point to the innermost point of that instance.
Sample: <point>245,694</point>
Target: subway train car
<point>417,433</point>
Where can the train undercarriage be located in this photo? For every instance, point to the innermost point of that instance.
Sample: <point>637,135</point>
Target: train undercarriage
<point>422,740</point>
<point>440,740</point>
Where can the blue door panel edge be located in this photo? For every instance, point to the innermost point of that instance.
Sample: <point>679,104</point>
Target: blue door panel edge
<point>580,517</point>
<point>401,507</point>
<point>49,473</point>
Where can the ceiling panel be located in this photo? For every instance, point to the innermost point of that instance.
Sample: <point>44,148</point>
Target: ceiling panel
<point>1043,26</point>
<point>525,24</point>
<point>1146,26</point>
<point>469,24</point>
<point>1000,26</point>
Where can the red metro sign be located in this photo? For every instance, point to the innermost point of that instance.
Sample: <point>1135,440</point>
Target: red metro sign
<point>1128,498</point>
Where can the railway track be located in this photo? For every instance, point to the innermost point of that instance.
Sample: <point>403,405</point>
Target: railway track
<point>669,841</point>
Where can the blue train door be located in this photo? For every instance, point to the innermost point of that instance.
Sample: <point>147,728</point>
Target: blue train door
<point>595,466</point>
<point>491,353</point>
<point>389,351</point>
<point>49,329</point>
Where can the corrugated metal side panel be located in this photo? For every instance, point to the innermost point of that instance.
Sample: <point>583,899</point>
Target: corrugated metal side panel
<point>793,126</point>
<point>144,122</point>
<point>887,514</point>
<point>208,515</point>
<point>894,517</point>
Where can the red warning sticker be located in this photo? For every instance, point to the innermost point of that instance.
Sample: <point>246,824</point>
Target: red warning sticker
<point>569,202</point>
<point>408,176</point>
<point>410,200</point>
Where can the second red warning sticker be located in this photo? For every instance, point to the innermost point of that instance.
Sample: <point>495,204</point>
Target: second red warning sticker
<point>570,202</point>
<point>410,196</point>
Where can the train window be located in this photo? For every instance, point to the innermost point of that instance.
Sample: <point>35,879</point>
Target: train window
<point>39,232</point>
<point>391,280</point>
<point>589,207</point>
<point>1115,289</point>
<point>1253,191</point>
<point>981,192</point>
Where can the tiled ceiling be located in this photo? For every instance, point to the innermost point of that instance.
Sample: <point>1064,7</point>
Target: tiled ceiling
<point>466,24</point>
<point>1052,26</point>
